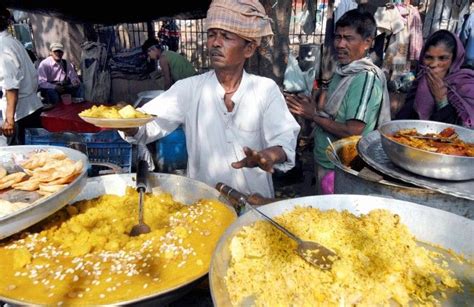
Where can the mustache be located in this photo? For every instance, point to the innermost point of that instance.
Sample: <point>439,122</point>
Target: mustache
<point>215,51</point>
<point>342,51</point>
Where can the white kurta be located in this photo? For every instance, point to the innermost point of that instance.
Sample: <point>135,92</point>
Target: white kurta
<point>18,72</point>
<point>215,137</point>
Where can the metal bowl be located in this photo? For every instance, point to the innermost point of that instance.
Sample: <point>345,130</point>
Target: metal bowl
<point>425,163</point>
<point>426,224</point>
<point>372,182</point>
<point>183,189</point>
<point>45,206</point>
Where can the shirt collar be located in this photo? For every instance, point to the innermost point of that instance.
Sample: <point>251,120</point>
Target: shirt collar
<point>5,33</point>
<point>240,90</point>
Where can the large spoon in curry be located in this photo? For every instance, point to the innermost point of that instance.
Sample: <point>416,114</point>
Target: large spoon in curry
<point>142,180</point>
<point>312,252</point>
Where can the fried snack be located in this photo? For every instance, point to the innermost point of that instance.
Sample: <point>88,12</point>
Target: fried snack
<point>51,188</point>
<point>28,185</point>
<point>45,169</point>
<point>64,168</point>
<point>3,172</point>
<point>40,159</point>
<point>113,112</point>
<point>11,179</point>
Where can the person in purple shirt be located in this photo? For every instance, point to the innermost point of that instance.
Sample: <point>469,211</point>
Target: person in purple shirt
<point>56,76</point>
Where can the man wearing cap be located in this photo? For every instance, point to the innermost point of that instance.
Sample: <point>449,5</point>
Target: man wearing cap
<point>20,106</point>
<point>237,125</point>
<point>173,65</point>
<point>57,76</point>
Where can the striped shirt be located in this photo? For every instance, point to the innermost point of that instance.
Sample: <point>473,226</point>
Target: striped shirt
<point>362,102</point>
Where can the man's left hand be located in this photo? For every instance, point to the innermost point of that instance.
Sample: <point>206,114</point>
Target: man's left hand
<point>300,105</point>
<point>255,158</point>
<point>8,128</point>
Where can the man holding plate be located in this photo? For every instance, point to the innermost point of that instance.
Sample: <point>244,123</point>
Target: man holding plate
<point>237,125</point>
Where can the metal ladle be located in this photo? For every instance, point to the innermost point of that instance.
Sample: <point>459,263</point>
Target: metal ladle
<point>334,151</point>
<point>142,183</point>
<point>312,252</point>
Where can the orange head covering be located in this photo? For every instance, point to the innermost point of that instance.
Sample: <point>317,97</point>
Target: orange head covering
<point>246,18</point>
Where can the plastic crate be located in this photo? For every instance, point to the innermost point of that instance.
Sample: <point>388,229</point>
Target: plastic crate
<point>105,146</point>
<point>171,153</point>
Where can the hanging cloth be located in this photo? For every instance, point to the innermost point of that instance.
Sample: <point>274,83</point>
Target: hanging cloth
<point>392,22</point>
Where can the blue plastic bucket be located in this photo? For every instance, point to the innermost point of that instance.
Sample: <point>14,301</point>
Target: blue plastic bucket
<point>171,153</point>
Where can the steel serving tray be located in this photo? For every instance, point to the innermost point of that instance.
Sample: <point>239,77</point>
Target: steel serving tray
<point>426,224</point>
<point>183,189</point>
<point>44,206</point>
<point>351,181</point>
<point>423,162</point>
<point>371,151</point>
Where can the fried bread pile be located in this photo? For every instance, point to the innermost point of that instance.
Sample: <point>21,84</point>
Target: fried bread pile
<point>43,172</point>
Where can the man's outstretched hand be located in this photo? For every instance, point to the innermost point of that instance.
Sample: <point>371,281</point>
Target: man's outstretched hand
<point>265,159</point>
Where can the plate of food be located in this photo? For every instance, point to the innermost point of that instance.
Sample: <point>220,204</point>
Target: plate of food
<point>431,149</point>
<point>83,254</point>
<point>390,252</point>
<point>115,116</point>
<point>35,182</point>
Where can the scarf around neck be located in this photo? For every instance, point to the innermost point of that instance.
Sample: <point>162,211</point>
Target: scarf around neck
<point>460,85</point>
<point>348,73</point>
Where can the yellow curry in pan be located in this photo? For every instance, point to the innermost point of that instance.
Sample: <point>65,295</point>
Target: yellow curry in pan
<point>83,254</point>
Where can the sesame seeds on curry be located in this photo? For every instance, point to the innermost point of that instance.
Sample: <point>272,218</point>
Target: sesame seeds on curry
<point>84,255</point>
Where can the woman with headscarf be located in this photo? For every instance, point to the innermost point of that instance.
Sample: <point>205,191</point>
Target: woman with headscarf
<point>237,125</point>
<point>443,91</point>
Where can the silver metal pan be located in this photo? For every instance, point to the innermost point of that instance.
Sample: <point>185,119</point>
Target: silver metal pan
<point>46,206</point>
<point>427,224</point>
<point>183,189</point>
<point>425,163</point>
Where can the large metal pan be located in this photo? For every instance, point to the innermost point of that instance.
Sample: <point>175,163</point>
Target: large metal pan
<point>352,181</point>
<point>183,189</point>
<point>425,163</point>
<point>46,206</point>
<point>427,224</point>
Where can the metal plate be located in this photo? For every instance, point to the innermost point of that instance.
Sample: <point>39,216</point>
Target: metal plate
<point>117,122</point>
<point>371,151</point>
<point>45,206</point>
<point>350,181</point>
<point>183,189</point>
<point>426,224</point>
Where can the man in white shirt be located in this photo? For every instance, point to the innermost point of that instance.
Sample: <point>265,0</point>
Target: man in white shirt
<point>20,106</point>
<point>237,125</point>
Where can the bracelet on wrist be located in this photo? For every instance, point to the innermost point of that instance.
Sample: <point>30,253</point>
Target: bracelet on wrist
<point>441,104</point>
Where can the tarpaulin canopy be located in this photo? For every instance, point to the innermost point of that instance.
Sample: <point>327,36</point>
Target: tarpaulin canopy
<point>89,11</point>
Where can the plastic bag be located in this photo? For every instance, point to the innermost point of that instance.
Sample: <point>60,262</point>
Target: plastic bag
<point>297,81</point>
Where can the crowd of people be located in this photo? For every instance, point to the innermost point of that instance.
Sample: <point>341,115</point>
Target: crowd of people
<point>239,126</point>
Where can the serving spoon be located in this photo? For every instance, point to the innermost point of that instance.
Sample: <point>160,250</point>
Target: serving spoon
<point>142,180</point>
<point>312,252</point>
<point>334,151</point>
